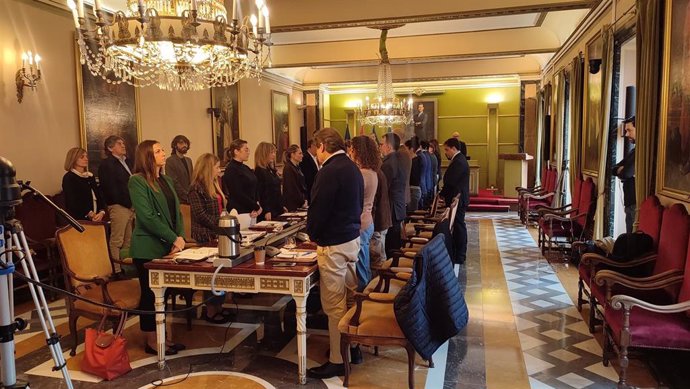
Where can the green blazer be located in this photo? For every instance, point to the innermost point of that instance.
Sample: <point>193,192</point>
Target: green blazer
<point>154,232</point>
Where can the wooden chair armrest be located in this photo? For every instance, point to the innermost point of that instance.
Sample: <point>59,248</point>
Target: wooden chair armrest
<point>93,279</point>
<point>423,227</point>
<point>621,301</point>
<point>400,269</point>
<point>386,298</point>
<point>594,259</point>
<point>658,281</point>
<point>381,297</point>
<point>418,239</point>
<point>538,196</point>
<point>551,217</point>
<point>546,208</point>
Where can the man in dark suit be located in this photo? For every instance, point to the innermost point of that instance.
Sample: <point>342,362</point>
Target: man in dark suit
<point>113,175</point>
<point>625,171</point>
<point>420,123</point>
<point>333,222</point>
<point>396,167</point>
<point>456,181</point>
<point>310,167</point>
<point>179,167</point>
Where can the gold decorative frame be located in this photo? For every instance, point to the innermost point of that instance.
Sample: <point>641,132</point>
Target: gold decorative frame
<point>672,95</point>
<point>105,108</point>
<point>280,121</point>
<point>591,155</point>
<point>219,116</point>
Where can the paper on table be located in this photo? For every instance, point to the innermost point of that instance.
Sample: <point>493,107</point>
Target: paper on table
<point>197,253</point>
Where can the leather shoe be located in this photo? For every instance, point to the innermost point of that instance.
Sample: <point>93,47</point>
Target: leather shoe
<point>355,355</point>
<point>168,351</point>
<point>178,347</point>
<point>327,370</point>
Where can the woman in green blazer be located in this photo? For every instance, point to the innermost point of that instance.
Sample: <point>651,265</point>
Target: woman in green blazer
<point>158,229</point>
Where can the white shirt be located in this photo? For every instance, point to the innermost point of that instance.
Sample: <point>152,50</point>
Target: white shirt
<point>334,154</point>
<point>122,161</point>
<point>316,161</point>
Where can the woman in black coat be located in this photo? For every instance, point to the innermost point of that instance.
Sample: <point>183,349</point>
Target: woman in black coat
<point>239,181</point>
<point>294,186</point>
<point>268,182</point>
<point>83,198</point>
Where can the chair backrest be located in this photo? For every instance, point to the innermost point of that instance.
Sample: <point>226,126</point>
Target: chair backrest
<point>651,212</point>
<point>84,255</point>
<point>673,241</point>
<point>684,294</point>
<point>550,180</point>
<point>576,191</point>
<point>37,217</point>
<point>586,203</point>
<point>186,212</point>
<point>453,211</point>
<point>542,178</point>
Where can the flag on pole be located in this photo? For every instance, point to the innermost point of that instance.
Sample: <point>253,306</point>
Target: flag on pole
<point>347,131</point>
<point>376,136</point>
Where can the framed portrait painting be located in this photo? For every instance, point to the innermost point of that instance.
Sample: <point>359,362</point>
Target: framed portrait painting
<point>225,104</point>
<point>424,119</point>
<point>591,136</point>
<point>280,117</point>
<point>105,108</point>
<point>673,176</point>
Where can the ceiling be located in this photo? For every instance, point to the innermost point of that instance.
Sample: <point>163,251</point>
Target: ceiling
<point>329,42</point>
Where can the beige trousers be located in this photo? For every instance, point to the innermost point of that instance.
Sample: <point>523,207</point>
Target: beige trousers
<point>121,223</point>
<point>338,277</point>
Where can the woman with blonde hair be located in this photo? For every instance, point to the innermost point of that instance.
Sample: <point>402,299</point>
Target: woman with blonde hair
<point>268,182</point>
<point>83,199</point>
<point>159,229</point>
<point>207,202</point>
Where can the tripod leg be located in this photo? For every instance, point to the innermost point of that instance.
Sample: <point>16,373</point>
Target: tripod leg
<point>42,308</point>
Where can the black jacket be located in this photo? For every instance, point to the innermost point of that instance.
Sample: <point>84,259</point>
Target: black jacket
<point>463,149</point>
<point>205,214</point>
<point>337,200</point>
<point>268,191</point>
<point>239,185</point>
<point>114,178</point>
<point>309,169</point>
<point>294,187</point>
<point>457,180</point>
<point>627,176</point>
<point>397,173</point>
<point>78,197</point>
<point>431,308</point>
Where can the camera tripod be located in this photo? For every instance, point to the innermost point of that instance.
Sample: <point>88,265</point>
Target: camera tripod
<point>13,245</point>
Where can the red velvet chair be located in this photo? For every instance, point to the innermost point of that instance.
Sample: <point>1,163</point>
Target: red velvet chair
<point>564,228</point>
<point>529,201</point>
<point>544,210</point>
<point>651,213</point>
<point>636,321</point>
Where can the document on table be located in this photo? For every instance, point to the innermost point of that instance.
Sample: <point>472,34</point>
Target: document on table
<point>196,254</point>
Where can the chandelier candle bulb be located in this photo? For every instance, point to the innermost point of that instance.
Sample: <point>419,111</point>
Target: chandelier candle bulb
<point>252,19</point>
<point>80,8</point>
<point>261,19</point>
<point>234,9</point>
<point>97,5</point>
<point>75,15</point>
<point>268,23</point>
<point>194,5</point>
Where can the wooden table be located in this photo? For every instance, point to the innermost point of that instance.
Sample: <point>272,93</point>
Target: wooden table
<point>247,277</point>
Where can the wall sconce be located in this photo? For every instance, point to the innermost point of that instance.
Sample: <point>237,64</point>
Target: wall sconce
<point>28,77</point>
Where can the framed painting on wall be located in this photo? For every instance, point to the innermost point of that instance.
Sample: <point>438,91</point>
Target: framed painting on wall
<point>424,120</point>
<point>280,117</point>
<point>225,105</point>
<point>592,111</point>
<point>105,108</point>
<point>673,176</point>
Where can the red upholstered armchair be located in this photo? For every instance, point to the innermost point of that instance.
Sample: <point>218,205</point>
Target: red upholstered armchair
<point>564,228</point>
<point>639,321</point>
<point>529,201</point>
<point>651,213</point>
<point>543,210</point>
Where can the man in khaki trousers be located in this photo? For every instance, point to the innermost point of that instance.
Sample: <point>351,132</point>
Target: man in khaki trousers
<point>333,222</point>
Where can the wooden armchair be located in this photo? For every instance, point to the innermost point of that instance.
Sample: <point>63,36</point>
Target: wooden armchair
<point>529,201</point>
<point>651,216</point>
<point>89,273</point>
<point>639,321</point>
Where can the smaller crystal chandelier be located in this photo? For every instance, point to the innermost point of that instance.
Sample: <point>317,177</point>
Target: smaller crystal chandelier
<point>174,44</point>
<point>28,77</point>
<point>386,110</point>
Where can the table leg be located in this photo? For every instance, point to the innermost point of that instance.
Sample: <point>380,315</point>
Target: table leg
<point>159,294</point>
<point>301,312</point>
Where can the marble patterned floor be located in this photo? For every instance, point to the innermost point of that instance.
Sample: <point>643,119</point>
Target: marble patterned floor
<point>523,332</point>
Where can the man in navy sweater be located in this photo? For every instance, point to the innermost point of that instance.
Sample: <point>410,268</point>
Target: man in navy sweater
<point>333,222</point>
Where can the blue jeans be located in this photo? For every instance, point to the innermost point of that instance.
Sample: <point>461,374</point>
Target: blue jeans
<point>363,269</point>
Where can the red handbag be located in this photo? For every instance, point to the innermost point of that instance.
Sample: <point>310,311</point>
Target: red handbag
<point>105,355</point>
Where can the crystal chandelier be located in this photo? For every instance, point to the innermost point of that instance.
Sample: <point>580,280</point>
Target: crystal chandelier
<point>386,110</point>
<point>174,44</point>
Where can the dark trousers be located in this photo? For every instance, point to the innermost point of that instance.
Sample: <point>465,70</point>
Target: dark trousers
<point>460,236</point>
<point>393,238</point>
<point>629,217</point>
<point>147,323</point>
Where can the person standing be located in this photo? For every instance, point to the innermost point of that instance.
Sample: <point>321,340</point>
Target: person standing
<point>333,222</point>
<point>434,167</point>
<point>83,199</point>
<point>364,153</point>
<point>463,146</point>
<point>310,166</point>
<point>382,222</point>
<point>625,171</point>
<point>456,181</point>
<point>113,174</point>
<point>159,229</point>
<point>239,181</point>
<point>294,186</point>
<point>396,167</point>
<point>415,176</point>
<point>179,167</point>
<point>207,201</point>
<point>267,181</point>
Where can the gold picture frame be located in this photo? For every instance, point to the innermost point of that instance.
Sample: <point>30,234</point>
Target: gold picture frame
<point>105,108</point>
<point>673,169</point>
<point>280,122</point>
<point>591,116</point>
<point>225,121</point>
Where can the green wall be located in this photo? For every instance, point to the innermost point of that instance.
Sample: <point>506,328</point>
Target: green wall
<point>465,111</point>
